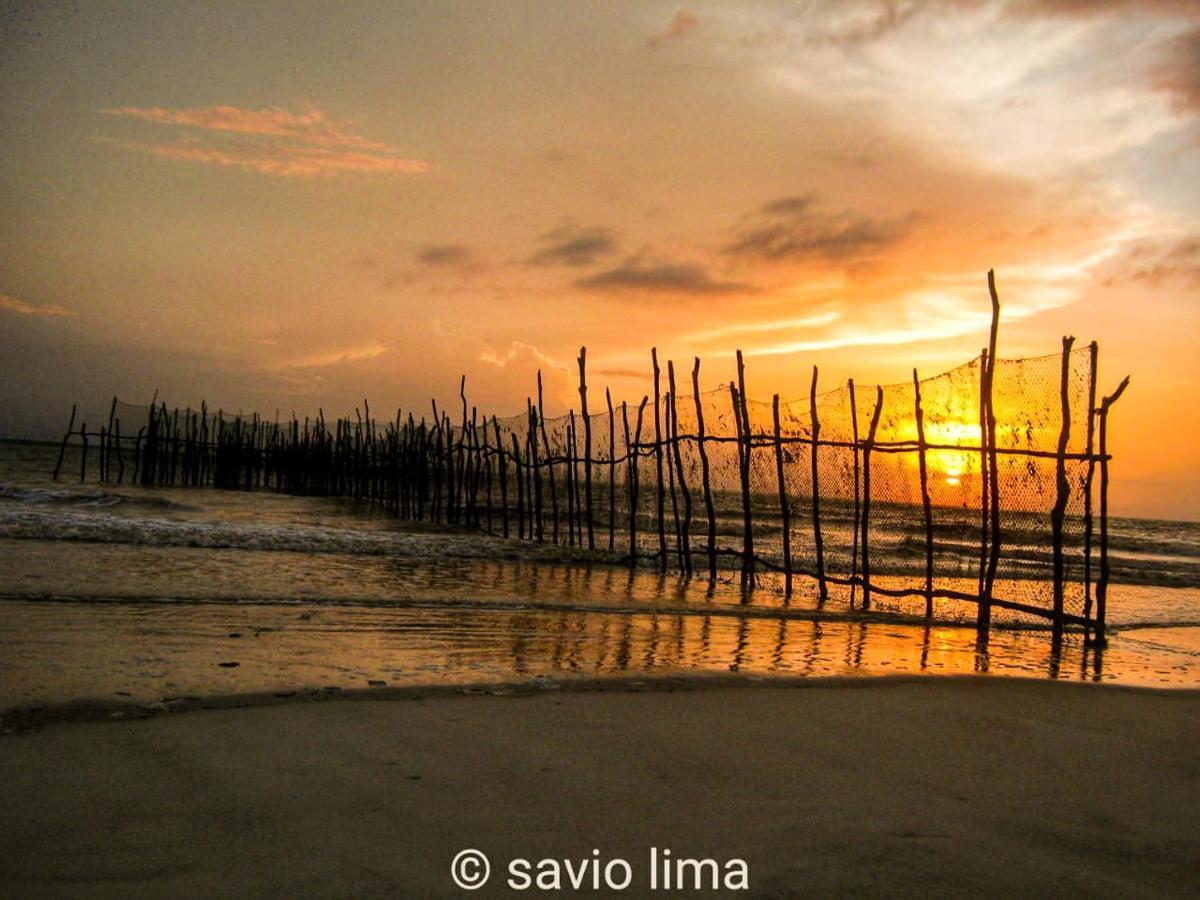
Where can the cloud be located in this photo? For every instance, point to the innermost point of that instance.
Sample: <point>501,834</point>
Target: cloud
<point>12,304</point>
<point>448,255</point>
<point>634,275</point>
<point>681,25</point>
<point>270,141</point>
<point>322,359</point>
<point>1178,71</point>
<point>579,247</point>
<point>1160,262</point>
<point>789,228</point>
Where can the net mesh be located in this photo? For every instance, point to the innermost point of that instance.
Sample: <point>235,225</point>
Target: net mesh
<point>702,481</point>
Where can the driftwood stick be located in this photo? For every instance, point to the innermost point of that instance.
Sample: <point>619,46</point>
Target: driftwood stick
<point>62,450</point>
<point>1089,477</point>
<point>630,463</point>
<point>818,541</point>
<point>669,428</point>
<point>741,412</point>
<point>503,462</point>
<point>857,487</point>
<point>1063,488</point>
<point>926,507</point>
<point>516,450</point>
<point>612,472</point>
<point>985,607</point>
<point>709,509</point>
<point>549,457</point>
<point>658,465</point>
<point>784,513</point>
<point>587,446</point>
<point>681,476</point>
<point>1102,583</point>
<point>866,505</point>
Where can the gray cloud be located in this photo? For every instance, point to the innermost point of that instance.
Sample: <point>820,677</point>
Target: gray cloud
<point>1178,71</point>
<point>449,255</point>
<point>661,278</point>
<point>791,228</point>
<point>575,247</point>
<point>1158,263</point>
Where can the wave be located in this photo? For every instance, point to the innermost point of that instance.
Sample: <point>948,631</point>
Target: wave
<point>83,498</point>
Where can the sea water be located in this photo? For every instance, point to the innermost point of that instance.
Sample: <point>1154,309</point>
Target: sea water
<point>115,591</point>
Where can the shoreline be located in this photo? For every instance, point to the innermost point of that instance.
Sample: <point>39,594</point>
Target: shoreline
<point>856,787</point>
<point>19,720</point>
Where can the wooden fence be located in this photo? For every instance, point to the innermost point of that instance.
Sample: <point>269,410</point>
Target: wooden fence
<point>973,489</point>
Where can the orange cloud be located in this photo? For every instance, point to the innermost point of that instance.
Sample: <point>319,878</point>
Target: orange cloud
<point>25,308</point>
<point>271,141</point>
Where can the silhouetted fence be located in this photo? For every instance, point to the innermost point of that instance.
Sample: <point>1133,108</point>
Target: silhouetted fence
<point>972,490</point>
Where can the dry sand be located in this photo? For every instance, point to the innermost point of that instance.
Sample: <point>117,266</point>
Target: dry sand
<point>868,788</point>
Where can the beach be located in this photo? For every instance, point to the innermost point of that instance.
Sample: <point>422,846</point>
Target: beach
<point>823,787</point>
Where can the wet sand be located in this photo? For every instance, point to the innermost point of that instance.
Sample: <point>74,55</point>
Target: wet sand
<point>870,787</point>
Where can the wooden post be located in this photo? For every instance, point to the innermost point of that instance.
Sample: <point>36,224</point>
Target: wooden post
<point>984,490</point>
<point>708,496</point>
<point>668,427</point>
<point>503,476</point>
<point>612,472</point>
<point>923,469</point>
<point>629,487</point>
<point>1063,492</point>
<point>516,449</point>
<point>106,443</point>
<point>1102,583</point>
<point>866,507</point>
<point>680,475</point>
<point>635,453</point>
<point>83,457</point>
<point>741,411</point>
<point>536,471</point>
<point>569,477</point>
<point>783,502</point>
<point>1093,353</point>
<point>985,608</point>
<point>62,450</point>
<point>818,541</point>
<point>120,455</point>
<point>857,485</point>
<point>587,446</point>
<point>658,464</point>
<point>550,460</point>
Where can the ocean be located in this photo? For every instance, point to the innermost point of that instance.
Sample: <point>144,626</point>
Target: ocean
<point>122,594</point>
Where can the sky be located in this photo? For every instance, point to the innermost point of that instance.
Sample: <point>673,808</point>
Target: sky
<point>286,206</point>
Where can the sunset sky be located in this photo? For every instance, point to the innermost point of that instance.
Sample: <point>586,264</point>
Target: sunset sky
<point>298,204</point>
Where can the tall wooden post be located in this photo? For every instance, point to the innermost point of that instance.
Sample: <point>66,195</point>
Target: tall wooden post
<point>985,606</point>
<point>658,464</point>
<point>680,475</point>
<point>1088,523</point>
<point>857,487</point>
<point>866,507</point>
<point>550,462</point>
<point>709,509</point>
<point>587,447</point>
<point>741,410</point>
<point>926,507</point>
<point>1063,492</point>
<point>62,450</point>
<point>818,541</point>
<point>612,472</point>
<point>1102,583</point>
<point>784,513</point>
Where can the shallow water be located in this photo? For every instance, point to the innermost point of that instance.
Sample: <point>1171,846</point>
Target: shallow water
<point>115,592</point>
